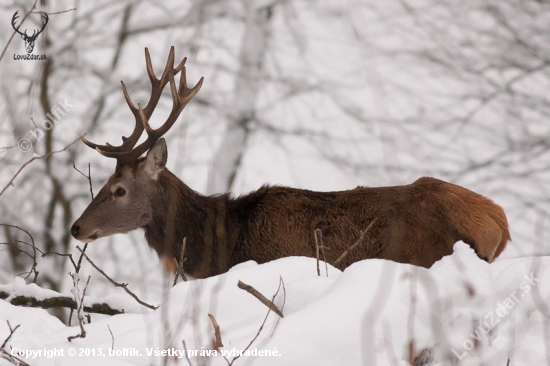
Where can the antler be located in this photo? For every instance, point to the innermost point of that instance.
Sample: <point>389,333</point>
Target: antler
<point>126,153</point>
<point>34,34</point>
<point>13,19</point>
<point>44,22</point>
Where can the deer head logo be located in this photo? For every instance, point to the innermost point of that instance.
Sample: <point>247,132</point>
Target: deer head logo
<point>29,40</point>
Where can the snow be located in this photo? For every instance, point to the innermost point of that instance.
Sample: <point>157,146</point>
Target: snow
<point>20,288</point>
<point>365,315</point>
<point>121,301</point>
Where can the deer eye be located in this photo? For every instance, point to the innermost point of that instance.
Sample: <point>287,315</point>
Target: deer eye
<point>120,192</point>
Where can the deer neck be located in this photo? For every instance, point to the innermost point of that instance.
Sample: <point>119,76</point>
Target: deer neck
<point>179,212</point>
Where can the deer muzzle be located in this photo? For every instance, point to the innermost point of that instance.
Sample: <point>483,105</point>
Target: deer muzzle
<point>82,235</point>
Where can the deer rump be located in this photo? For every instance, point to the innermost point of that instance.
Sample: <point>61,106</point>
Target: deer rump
<point>417,223</point>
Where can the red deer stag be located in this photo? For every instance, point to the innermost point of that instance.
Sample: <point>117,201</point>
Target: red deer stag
<point>416,223</point>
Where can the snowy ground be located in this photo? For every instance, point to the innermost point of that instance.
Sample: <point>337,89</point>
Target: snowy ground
<point>365,315</point>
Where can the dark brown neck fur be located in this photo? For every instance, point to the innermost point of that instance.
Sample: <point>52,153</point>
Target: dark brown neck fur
<point>178,213</point>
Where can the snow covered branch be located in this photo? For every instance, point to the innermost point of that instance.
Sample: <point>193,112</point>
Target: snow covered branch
<point>57,302</point>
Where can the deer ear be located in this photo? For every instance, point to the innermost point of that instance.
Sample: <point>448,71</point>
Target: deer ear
<point>155,160</point>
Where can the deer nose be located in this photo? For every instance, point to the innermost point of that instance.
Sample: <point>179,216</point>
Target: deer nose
<point>74,230</point>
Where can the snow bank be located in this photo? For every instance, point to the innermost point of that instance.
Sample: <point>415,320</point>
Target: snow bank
<point>471,311</point>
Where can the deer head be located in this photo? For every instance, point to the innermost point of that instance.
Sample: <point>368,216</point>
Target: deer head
<point>29,40</point>
<point>125,202</point>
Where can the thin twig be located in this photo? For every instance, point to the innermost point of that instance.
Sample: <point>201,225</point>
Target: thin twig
<point>116,284</point>
<point>62,255</point>
<point>112,338</point>
<point>186,353</point>
<point>7,355</point>
<point>25,243</point>
<point>76,265</point>
<point>217,335</point>
<point>11,333</point>
<point>89,177</point>
<point>281,283</point>
<point>320,249</point>
<point>79,310</point>
<point>182,259</point>
<point>54,13</point>
<point>10,183</point>
<point>317,249</point>
<point>264,300</point>
<point>34,249</point>
<point>410,317</point>
<point>179,267</point>
<point>263,323</point>
<point>357,243</point>
<point>79,263</point>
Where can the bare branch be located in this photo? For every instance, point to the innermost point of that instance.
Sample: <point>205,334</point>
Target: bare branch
<point>357,243</point>
<point>79,264</point>
<point>11,333</point>
<point>89,177</point>
<point>116,284</point>
<point>55,12</point>
<point>217,335</point>
<point>281,283</point>
<point>79,310</point>
<point>251,290</point>
<point>186,353</point>
<point>69,255</point>
<point>315,232</point>
<point>34,249</point>
<point>179,268</point>
<point>320,247</point>
<point>112,337</point>
<point>57,302</point>
<point>10,183</point>
<point>7,355</point>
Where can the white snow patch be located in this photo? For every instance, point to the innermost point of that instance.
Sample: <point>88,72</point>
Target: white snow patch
<point>366,314</point>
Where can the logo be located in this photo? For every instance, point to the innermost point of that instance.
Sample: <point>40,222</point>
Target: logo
<point>29,40</point>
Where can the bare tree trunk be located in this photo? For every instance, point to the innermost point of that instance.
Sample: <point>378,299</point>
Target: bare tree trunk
<point>241,112</point>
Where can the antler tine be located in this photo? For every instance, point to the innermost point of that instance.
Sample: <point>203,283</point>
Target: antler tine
<point>190,92</point>
<point>149,66</point>
<point>129,142</point>
<point>89,143</point>
<point>13,20</point>
<point>44,22</point>
<point>181,66</point>
<point>126,153</point>
<point>180,98</point>
<point>144,121</point>
<point>103,149</point>
<point>127,97</point>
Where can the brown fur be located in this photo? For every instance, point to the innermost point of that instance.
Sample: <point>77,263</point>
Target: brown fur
<point>416,223</point>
